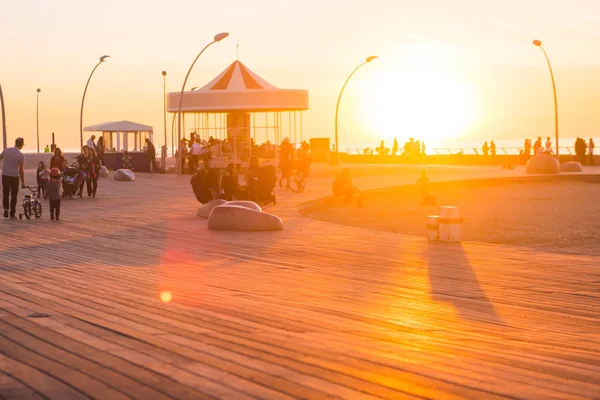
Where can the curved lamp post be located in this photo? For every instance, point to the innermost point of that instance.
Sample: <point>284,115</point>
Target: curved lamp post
<point>102,59</point>
<point>337,107</point>
<point>218,37</point>
<point>3,120</point>
<point>164,74</point>
<point>195,115</point>
<point>37,118</point>
<point>538,43</point>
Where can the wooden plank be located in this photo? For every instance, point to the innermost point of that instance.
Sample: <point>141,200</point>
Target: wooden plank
<point>52,388</point>
<point>317,310</point>
<point>11,389</point>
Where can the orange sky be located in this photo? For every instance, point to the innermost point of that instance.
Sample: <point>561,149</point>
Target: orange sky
<point>464,68</point>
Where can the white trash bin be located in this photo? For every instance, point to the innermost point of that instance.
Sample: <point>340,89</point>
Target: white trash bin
<point>449,224</point>
<point>432,227</point>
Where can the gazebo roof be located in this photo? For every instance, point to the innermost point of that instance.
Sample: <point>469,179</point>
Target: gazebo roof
<point>118,126</point>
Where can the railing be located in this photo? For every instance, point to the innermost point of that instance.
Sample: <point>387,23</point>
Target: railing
<point>461,150</point>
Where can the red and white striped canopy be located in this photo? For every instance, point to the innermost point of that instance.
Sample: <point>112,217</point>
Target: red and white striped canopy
<point>237,88</point>
<point>238,77</point>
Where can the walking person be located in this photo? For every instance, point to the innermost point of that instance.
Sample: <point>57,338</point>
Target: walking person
<point>93,173</point>
<point>90,143</point>
<point>493,148</point>
<point>42,179</point>
<point>83,165</point>
<point>54,193</point>
<point>485,149</point>
<point>57,160</point>
<point>591,147</point>
<point>194,157</point>
<point>100,150</point>
<point>151,152</point>
<point>11,172</point>
<point>286,163</point>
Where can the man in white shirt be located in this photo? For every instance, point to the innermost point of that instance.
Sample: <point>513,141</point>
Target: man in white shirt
<point>11,171</point>
<point>90,142</point>
<point>195,151</point>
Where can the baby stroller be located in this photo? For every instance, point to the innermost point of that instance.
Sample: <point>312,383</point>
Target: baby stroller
<point>264,191</point>
<point>71,182</point>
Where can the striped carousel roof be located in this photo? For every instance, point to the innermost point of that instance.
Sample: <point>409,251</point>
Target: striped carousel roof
<point>238,77</point>
<point>237,88</point>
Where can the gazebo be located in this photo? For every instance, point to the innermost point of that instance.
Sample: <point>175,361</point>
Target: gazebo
<point>241,107</point>
<point>113,132</point>
<point>117,140</point>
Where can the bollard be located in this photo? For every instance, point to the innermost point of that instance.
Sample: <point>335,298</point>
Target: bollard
<point>432,227</point>
<point>449,224</point>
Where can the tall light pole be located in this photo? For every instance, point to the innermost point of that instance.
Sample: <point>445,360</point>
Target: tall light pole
<point>195,116</point>
<point>3,120</point>
<point>102,59</point>
<point>538,43</point>
<point>164,74</point>
<point>337,107</point>
<point>37,118</point>
<point>218,37</point>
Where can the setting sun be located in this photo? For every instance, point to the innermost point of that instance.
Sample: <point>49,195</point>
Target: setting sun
<point>423,98</point>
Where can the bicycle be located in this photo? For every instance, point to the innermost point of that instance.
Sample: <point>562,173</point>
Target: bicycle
<point>31,205</point>
<point>298,182</point>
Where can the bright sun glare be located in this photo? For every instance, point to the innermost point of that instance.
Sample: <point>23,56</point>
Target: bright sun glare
<point>422,98</point>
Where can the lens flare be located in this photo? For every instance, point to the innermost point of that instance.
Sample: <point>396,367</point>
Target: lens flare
<point>166,296</point>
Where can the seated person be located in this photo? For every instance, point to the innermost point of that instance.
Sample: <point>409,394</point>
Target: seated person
<point>342,186</point>
<point>230,183</point>
<point>427,198</point>
<point>205,184</point>
<point>251,178</point>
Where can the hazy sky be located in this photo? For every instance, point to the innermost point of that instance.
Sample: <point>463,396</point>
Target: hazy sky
<point>462,68</point>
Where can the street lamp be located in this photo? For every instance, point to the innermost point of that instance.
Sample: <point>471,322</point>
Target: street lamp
<point>3,120</point>
<point>37,118</point>
<point>195,115</point>
<point>538,43</point>
<point>218,37</point>
<point>164,74</point>
<point>337,107</point>
<point>102,59</point>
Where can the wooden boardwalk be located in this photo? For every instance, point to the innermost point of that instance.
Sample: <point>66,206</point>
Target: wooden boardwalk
<point>316,311</point>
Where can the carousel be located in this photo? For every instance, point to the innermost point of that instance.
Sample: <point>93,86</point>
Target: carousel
<point>240,109</point>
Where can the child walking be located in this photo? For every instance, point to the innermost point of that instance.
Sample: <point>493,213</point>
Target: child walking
<point>42,179</point>
<point>54,193</point>
<point>126,160</point>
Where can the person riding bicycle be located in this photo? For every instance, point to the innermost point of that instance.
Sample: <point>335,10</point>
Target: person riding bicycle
<point>304,161</point>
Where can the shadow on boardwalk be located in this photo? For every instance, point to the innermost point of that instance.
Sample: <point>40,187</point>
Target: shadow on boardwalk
<point>453,280</point>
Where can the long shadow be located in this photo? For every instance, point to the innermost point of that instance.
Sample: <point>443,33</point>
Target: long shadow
<point>452,280</point>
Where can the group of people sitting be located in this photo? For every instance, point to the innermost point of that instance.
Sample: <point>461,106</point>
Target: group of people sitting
<point>259,183</point>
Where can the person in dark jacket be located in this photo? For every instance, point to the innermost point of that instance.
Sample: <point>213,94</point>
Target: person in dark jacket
<point>57,160</point>
<point>151,152</point>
